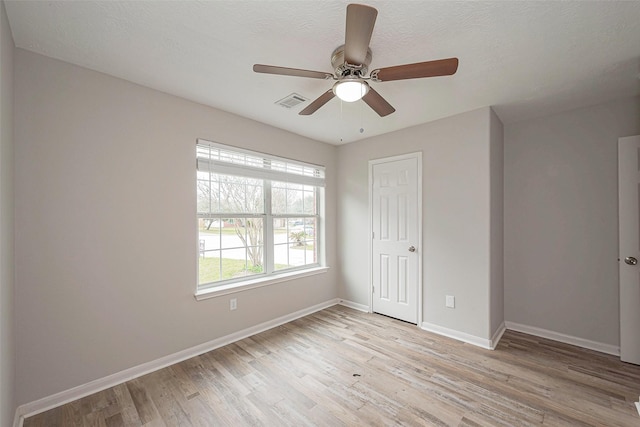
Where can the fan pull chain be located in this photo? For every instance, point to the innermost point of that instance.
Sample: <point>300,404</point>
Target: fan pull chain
<point>361,123</point>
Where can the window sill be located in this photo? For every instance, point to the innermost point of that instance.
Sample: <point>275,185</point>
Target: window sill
<point>256,283</point>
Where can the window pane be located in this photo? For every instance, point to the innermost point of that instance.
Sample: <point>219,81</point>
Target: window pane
<point>287,198</point>
<point>310,227</point>
<point>309,200</point>
<point>278,198</point>
<point>204,197</point>
<point>209,267</point>
<point>294,201</point>
<point>230,248</point>
<point>294,241</point>
<point>239,195</point>
<point>208,196</point>
<point>237,263</point>
<point>209,233</point>
<point>254,198</point>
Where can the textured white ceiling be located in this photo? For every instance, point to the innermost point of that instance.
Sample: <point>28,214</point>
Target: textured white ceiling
<point>524,58</point>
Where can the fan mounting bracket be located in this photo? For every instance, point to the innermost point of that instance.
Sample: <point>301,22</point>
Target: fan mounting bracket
<point>343,68</point>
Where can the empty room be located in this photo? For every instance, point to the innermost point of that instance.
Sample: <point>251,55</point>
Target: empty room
<point>305,213</point>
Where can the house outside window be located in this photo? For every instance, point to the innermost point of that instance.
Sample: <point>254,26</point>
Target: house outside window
<point>259,216</point>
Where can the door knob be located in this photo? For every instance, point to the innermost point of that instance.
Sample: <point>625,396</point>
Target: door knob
<point>631,260</point>
<point>412,248</point>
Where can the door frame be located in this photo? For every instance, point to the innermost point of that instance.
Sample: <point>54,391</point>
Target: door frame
<point>629,313</point>
<point>418,156</point>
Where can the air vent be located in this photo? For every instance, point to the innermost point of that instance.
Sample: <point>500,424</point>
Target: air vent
<point>291,101</point>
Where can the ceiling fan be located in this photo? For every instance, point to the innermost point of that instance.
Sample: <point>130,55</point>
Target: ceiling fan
<point>351,61</point>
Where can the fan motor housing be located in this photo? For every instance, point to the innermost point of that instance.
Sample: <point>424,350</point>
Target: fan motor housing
<point>342,68</point>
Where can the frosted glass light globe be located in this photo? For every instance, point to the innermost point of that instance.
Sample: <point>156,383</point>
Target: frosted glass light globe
<point>350,90</point>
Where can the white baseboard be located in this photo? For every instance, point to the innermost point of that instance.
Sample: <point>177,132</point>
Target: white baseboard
<point>354,305</point>
<point>495,339</point>
<point>66,396</point>
<point>18,420</point>
<point>460,336</point>
<point>567,339</point>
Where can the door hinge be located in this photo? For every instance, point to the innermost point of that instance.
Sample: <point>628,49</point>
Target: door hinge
<point>373,289</point>
<point>373,234</point>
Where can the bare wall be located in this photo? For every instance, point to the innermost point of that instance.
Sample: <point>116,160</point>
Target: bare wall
<point>456,217</point>
<point>496,136</point>
<point>105,214</point>
<point>7,330</point>
<point>561,220</point>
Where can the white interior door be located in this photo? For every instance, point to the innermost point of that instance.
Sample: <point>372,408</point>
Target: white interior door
<point>629,228</point>
<point>396,241</point>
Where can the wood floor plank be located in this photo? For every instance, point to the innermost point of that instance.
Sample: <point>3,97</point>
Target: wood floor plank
<point>342,367</point>
<point>144,406</point>
<point>128,411</point>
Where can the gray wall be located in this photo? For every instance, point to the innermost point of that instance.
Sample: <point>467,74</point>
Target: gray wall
<point>561,220</point>
<point>496,138</point>
<point>105,214</point>
<point>7,330</point>
<point>457,208</point>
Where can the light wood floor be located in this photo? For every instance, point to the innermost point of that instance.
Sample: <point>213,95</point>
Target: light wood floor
<point>342,367</point>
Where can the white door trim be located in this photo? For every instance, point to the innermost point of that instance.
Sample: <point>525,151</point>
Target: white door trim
<point>418,156</point>
<point>628,246</point>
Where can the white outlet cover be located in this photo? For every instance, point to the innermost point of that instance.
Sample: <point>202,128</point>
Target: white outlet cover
<point>450,301</point>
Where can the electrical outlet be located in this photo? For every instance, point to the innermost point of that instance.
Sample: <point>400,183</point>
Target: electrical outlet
<point>233,303</point>
<point>450,301</point>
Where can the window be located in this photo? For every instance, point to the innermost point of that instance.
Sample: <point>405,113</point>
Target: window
<point>258,215</point>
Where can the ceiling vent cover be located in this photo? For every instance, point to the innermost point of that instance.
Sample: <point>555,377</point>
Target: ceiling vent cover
<point>291,101</point>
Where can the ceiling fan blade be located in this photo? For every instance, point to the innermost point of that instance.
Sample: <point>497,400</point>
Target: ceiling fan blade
<point>319,102</point>
<point>441,67</point>
<point>378,103</point>
<point>272,69</point>
<point>360,22</point>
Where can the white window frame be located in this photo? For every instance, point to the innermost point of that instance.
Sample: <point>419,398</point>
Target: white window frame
<point>229,160</point>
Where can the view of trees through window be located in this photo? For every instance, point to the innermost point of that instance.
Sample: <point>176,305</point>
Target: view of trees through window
<point>251,226</point>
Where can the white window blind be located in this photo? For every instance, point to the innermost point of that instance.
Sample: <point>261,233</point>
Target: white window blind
<point>218,158</point>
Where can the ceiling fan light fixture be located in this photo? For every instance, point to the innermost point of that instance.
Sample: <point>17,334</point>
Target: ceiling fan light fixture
<point>350,63</point>
<point>351,90</point>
